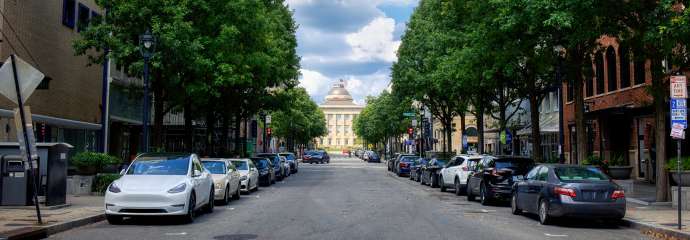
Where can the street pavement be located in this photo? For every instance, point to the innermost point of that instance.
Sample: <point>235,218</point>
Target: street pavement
<point>350,199</point>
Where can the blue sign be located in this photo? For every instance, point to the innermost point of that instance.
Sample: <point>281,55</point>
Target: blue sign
<point>679,112</point>
<point>464,142</point>
<point>509,137</point>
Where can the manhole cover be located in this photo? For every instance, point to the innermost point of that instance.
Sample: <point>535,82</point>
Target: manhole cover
<point>236,237</point>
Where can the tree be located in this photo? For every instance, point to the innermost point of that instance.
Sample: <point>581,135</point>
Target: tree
<point>382,118</point>
<point>301,121</point>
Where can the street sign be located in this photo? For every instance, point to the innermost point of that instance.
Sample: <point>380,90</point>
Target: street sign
<point>506,137</point>
<point>679,87</point>
<point>408,114</point>
<point>677,131</point>
<point>268,119</point>
<point>414,122</point>
<point>30,78</point>
<point>464,142</point>
<point>679,112</point>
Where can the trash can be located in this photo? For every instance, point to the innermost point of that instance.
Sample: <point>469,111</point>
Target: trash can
<point>14,182</point>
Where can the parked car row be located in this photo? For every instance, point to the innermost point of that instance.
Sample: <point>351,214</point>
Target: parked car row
<point>182,185</point>
<point>368,156</point>
<point>547,190</point>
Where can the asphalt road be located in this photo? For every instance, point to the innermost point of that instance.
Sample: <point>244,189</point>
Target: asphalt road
<point>350,199</point>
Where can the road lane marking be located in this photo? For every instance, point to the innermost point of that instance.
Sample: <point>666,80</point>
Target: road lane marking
<point>176,234</point>
<point>555,235</point>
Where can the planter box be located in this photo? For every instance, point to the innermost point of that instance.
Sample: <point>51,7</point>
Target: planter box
<point>620,172</point>
<point>79,185</point>
<point>685,175</point>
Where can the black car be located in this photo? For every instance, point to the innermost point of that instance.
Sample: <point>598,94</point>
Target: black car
<point>266,174</point>
<point>312,157</point>
<point>325,156</point>
<point>292,160</point>
<point>416,169</point>
<point>431,170</point>
<point>278,164</point>
<point>493,177</point>
<point>559,190</point>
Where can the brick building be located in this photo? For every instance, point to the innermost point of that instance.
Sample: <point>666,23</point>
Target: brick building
<point>618,110</point>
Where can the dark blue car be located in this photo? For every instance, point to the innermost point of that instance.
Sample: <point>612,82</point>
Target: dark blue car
<point>405,165</point>
<point>277,164</point>
<point>416,168</point>
<point>292,160</point>
<point>373,157</point>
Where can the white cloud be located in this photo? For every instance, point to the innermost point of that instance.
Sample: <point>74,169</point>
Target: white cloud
<point>374,41</point>
<point>314,82</point>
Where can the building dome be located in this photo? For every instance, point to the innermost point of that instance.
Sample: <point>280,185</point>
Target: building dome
<point>339,95</point>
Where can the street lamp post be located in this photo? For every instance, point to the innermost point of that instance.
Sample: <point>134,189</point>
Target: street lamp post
<point>147,45</point>
<point>560,50</point>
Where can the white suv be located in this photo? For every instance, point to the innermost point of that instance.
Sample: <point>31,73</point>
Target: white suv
<point>457,170</point>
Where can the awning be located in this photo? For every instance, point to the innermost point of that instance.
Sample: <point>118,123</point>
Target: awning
<point>548,124</point>
<point>53,121</point>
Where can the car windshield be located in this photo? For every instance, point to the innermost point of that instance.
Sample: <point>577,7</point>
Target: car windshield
<point>261,163</point>
<point>313,153</point>
<point>240,165</point>
<point>215,167</point>
<point>408,159</point>
<point>519,166</point>
<point>373,154</point>
<point>440,162</point>
<point>576,173</point>
<point>178,165</point>
<point>288,156</point>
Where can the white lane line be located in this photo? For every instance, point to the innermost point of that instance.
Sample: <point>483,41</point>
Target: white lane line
<point>176,234</point>
<point>555,235</point>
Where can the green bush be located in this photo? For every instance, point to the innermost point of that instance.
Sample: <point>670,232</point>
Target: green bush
<point>93,161</point>
<point>102,181</point>
<point>673,164</point>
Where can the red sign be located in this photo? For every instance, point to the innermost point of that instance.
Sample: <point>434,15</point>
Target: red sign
<point>410,131</point>
<point>268,131</point>
<point>679,87</point>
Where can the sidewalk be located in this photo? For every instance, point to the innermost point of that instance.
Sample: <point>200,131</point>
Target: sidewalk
<point>658,221</point>
<point>21,220</point>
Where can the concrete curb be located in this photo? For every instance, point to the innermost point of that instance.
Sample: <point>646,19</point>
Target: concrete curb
<point>43,232</point>
<point>654,230</point>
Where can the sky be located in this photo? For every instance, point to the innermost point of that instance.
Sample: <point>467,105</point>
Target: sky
<point>353,40</point>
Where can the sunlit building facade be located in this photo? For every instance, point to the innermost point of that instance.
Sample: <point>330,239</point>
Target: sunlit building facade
<point>340,111</point>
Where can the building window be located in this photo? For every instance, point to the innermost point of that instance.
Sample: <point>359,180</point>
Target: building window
<point>83,17</point>
<point>322,141</point>
<point>347,142</point>
<point>570,90</point>
<point>329,141</point>
<point>600,72</point>
<point>68,7</point>
<point>611,68</point>
<point>624,53</point>
<point>338,117</point>
<point>640,71</point>
<point>337,142</point>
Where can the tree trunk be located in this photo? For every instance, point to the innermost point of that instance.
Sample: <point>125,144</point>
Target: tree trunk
<point>659,94</point>
<point>236,130</point>
<point>188,128</point>
<point>449,135</point>
<point>536,132</point>
<point>210,130</point>
<point>224,134</point>
<point>480,129</point>
<point>462,127</point>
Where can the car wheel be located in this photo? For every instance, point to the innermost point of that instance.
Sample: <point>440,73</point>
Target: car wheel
<point>113,219</point>
<point>483,197</point>
<point>513,205</point>
<point>470,196</point>
<point>458,189</point>
<point>237,194</point>
<point>189,217</point>
<point>421,179</point>
<point>434,180</point>
<point>226,197</point>
<point>273,181</point>
<point>544,218</point>
<point>442,185</point>
<point>211,203</point>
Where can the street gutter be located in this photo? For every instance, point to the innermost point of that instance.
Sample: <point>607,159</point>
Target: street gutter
<point>44,232</point>
<point>655,231</point>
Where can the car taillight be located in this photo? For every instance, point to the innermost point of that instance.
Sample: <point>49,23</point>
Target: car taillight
<point>618,194</point>
<point>403,165</point>
<point>565,191</point>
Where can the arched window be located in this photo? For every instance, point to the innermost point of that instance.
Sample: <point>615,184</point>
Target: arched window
<point>599,60</point>
<point>624,53</point>
<point>611,69</point>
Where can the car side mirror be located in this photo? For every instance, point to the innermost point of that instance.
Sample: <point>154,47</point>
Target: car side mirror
<point>196,173</point>
<point>123,171</point>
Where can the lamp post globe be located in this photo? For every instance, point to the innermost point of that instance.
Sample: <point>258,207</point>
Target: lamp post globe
<point>147,46</point>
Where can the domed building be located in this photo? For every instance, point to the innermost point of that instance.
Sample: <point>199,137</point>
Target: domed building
<point>340,111</point>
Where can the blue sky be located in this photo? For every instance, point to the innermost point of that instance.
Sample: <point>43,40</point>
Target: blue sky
<point>353,40</point>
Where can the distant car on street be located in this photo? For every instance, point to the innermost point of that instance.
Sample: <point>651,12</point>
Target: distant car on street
<point>494,176</point>
<point>431,171</point>
<point>312,157</point>
<point>173,184</point>
<point>455,173</point>
<point>249,174</point>
<point>416,169</point>
<point>226,178</point>
<point>278,164</point>
<point>373,157</point>
<point>292,159</point>
<point>559,190</point>
<point>266,174</point>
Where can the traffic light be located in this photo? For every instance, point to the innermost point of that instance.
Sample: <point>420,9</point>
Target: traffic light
<point>410,131</point>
